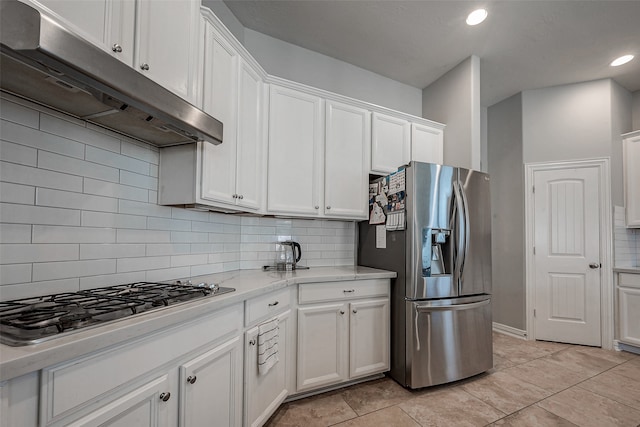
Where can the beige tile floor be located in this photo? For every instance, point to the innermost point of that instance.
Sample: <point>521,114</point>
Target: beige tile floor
<point>531,384</point>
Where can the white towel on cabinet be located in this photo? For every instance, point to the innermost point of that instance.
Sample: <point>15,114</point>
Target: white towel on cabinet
<point>267,345</point>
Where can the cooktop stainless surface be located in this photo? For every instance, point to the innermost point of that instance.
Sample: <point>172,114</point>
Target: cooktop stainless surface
<point>33,320</point>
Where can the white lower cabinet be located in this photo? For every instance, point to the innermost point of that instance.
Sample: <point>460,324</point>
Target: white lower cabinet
<point>339,339</point>
<point>211,387</point>
<point>629,308</point>
<point>265,392</point>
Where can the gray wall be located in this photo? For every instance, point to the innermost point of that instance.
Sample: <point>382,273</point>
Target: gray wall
<point>454,99</point>
<point>507,205</point>
<point>635,111</point>
<point>301,65</point>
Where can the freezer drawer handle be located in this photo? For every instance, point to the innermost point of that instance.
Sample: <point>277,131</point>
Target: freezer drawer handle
<point>455,307</point>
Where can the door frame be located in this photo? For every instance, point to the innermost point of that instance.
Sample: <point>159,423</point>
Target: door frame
<point>606,243</point>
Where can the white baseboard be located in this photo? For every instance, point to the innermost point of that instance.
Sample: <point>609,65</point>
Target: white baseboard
<point>509,330</point>
<point>620,346</point>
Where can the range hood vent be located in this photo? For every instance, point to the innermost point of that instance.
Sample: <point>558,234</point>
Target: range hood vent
<point>45,63</point>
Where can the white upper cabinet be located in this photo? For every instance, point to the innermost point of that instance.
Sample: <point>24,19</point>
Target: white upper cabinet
<point>631,155</point>
<point>167,41</point>
<point>220,91</point>
<point>426,144</point>
<point>295,152</point>
<point>109,24</point>
<point>347,156</point>
<point>390,145</point>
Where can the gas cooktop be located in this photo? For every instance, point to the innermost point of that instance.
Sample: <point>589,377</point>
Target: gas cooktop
<point>37,319</point>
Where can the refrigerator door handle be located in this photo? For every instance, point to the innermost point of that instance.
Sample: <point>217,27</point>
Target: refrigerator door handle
<point>465,216</point>
<point>453,307</point>
<point>461,233</point>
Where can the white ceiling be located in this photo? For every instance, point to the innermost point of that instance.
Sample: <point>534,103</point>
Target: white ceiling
<point>522,44</point>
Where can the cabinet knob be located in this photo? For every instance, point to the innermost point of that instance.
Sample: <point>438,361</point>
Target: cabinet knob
<point>252,342</point>
<point>273,304</point>
<point>116,48</point>
<point>144,66</point>
<point>241,197</point>
<point>328,207</point>
<point>235,196</point>
<point>317,207</point>
<point>355,311</point>
<point>341,312</point>
<point>191,379</point>
<point>165,396</point>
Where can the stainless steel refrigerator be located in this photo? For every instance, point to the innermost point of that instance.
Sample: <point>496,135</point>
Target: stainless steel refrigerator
<point>441,249</point>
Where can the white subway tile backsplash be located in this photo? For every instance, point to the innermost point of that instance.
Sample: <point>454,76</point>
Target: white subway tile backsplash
<point>20,114</point>
<point>15,273</point>
<point>16,153</point>
<point>72,269</point>
<point>15,233</point>
<point>143,236</point>
<point>138,180</point>
<point>60,234</point>
<point>56,162</point>
<point>119,191</point>
<point>75,132</point>
<point>34,138</point>
<point>19,174</point>
<point>626,241</point>
<point>143,263</point>
<point>106,219</point>
<point>17,193</point>
<point>113,250</point>
<point>26,214</point>
<point>115,160</point>
<point>25,253</point>
<point>95,195</point>
<point>67,199</point>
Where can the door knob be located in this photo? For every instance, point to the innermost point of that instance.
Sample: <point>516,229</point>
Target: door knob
<point>595,265</point>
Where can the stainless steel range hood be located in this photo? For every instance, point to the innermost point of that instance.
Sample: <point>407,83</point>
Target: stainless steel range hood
<point>46,63</point>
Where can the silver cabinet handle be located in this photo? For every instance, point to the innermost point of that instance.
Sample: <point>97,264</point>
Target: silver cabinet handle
<point>116,48</point>
<point>252,342</point>
<point>341,312</point>
<point>165,396</point>
<point>595,265</point>
<point>235,196</point>
<point>349,291</point>
<point>240,197</point>
<point>144,67</point>
<point>355,311</point>
<point>191,379</point>
<point>328,207</point>
<point>316,207</point>
<point>273,304</point>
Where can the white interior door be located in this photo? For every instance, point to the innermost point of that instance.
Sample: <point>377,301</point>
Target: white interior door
<point>567,255</point>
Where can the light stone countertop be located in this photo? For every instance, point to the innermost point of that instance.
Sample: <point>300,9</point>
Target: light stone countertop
<point>17,361</point>
<point>634,270</point>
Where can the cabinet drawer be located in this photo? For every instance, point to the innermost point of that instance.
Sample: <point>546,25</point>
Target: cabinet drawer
<point>629,280</point>
<point>260,308</point>
<point>339,291</point>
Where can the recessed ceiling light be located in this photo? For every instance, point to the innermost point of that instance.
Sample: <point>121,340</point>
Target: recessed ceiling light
<point>622,60</point>
<point>476,17</point>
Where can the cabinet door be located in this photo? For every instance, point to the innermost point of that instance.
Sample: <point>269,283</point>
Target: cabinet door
<point>426,144</point>
<point>250,140</point>
<point>109,24</point>
<point>631,150</point>
<point>390,147</point>
<point>346,153</point>
<point>264,393</point>
<point>146,406</point>
<point>629,301</point>
<point>322,345</point>
<point>295,152</point>
<point>211,387</point>
<point>368,337</point>
<point>220,100</point>
<point>166,39</point>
